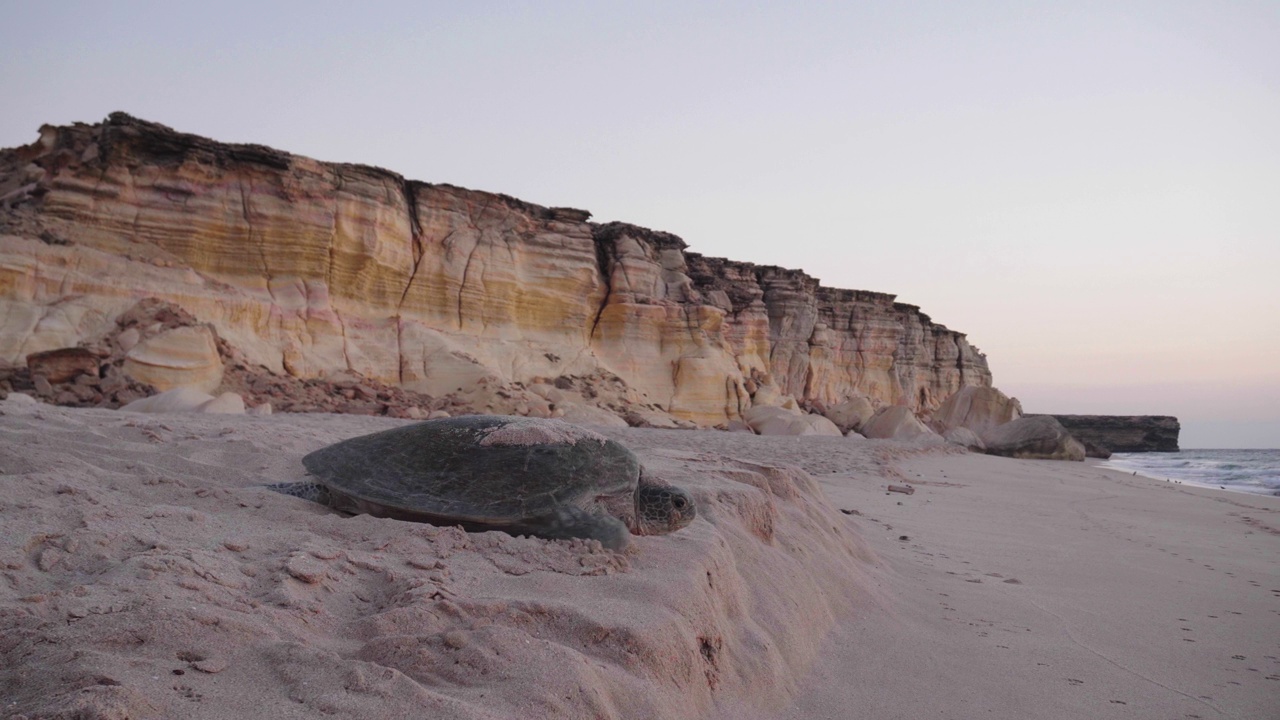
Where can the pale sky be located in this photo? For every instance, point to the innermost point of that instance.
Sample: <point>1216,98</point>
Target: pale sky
<point>1090,190</point>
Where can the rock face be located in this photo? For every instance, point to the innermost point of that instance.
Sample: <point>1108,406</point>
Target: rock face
<point>313,268</point>
<point>1039,438</point>
<point>1123,433</point>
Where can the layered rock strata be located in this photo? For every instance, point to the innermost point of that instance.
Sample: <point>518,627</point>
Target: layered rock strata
<point>311,268</point>
<point>1105,434</point>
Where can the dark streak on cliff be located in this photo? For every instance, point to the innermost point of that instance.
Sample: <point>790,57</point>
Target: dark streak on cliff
<point>606,256</point>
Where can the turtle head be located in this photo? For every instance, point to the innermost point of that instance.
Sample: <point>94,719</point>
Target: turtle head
<point>662,509</point>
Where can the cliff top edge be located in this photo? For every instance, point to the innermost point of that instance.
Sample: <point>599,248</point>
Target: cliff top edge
<point>163,145</point>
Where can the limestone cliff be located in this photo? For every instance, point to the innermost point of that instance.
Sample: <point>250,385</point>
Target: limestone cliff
<point>312,268</point>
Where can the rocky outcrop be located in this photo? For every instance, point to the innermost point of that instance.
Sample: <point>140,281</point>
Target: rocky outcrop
<point>311,268</point>
<point>1105,434</point>
<point>188,399</point>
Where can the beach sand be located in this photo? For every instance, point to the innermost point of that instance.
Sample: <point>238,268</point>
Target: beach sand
<point>144,574</point>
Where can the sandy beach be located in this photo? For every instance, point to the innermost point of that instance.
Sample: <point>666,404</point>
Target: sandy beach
<point>146,575</point>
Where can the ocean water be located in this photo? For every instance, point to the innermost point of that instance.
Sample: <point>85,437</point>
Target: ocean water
<point>1252,471</point>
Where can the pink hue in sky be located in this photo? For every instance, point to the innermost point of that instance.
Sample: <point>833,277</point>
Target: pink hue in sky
<point>1088,189</point>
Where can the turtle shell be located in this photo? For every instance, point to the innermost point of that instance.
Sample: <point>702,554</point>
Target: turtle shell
<point>481,470</point>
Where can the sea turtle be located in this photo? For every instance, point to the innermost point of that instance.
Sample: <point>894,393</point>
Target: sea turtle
<point>525,476</point>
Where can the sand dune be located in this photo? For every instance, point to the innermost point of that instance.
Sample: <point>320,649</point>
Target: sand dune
<point>145,575</point>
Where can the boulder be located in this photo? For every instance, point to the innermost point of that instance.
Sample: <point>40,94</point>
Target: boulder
<point>1040,437</point>
<point>770,420</point>
<point>128,339</point>
<point>822,426</point>
<point>966,438</point>
<point>977,408</point>
<point>589,415</point>
<point>20,400</point>
<point>192,399</point>
<point>228,403</point>
<point>896,422</point>
<point>768,395</point>
<point>773,420</point>
<point>181,399</point>
<point>181,357</point>
<point>851,414</point>
<point>64,364</point>
<point>1093,450</point>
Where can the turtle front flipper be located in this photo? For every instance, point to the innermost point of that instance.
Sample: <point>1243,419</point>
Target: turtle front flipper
<point>315,492</point>
<point>570,521</point>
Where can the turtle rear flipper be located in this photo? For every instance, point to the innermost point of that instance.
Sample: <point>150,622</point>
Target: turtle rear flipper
<point>570,521</point>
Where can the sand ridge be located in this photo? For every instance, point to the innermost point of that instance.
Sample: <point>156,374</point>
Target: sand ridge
<point>146,575</point>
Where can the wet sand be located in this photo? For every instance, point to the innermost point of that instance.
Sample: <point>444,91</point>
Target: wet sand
<point>1037,589</point>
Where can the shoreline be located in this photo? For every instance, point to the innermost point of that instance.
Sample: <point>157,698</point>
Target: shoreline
<point>1148,473</point>
<point>1046,589</point>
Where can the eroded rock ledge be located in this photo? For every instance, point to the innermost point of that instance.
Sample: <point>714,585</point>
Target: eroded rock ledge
<point>314,268</point>
<point>1105,434</point>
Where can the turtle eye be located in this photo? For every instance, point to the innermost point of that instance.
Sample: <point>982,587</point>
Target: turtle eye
<point>679,502</point>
